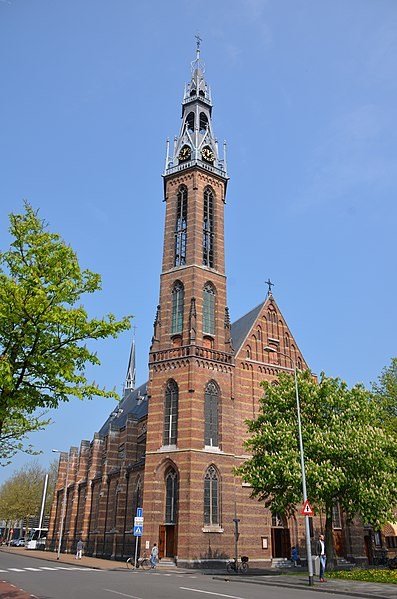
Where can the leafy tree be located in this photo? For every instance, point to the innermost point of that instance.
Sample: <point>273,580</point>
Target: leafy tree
<point>385,391</point>
<point>348,459</point>
<point>43,329</point>
<point>21,495</point>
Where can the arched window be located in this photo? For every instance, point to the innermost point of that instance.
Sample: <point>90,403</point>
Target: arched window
<point>177,308</point>
<point>211,497</point>
<point>211,415</point>
<point>171,497</point>
<point>203,122</point>
<point>181,227</point>
<point>209,310</point>
<point>171,414</point>
<point>137,495</point>
<point>208,228</point>
<point>190,121</point>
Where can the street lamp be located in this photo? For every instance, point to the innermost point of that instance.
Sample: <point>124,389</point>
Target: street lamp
<point>302,456</point>
<point>63,503</point>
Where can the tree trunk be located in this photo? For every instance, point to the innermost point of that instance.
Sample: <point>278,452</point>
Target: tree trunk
<point>329,540</point>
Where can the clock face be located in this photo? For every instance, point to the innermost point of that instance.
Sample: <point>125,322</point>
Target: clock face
<point>185,154</point>
<point>207,154</point>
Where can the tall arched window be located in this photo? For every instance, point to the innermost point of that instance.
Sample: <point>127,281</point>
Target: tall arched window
<point>203,122</point>
<point>211,416</point>
<point>181,227</point>
<point>177,308</point>
<point>209,310</point>
<point>171,414</point>
<point>208,228</point>
<point>171,497</point>
<point>190,121</point>
<point>211,497</point>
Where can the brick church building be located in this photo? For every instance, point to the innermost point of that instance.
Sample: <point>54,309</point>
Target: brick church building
<point>171,445</point>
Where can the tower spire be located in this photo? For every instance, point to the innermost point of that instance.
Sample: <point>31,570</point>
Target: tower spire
<point>196,144</point>
<point>131,371</point>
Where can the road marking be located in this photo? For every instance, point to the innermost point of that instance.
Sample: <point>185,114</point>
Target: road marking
<point>211,593</point>
<point>33,569</point>
<point>47,568</point>
<point>122,594</point>
<point>15,570</point>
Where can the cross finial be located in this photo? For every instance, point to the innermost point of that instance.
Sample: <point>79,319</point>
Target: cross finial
<point>199,40</point>
<point>270,285</point>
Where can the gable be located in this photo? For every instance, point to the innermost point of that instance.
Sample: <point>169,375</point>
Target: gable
<point>263,327</point>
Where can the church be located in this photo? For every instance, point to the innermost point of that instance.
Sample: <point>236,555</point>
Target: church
<point>171,445</point>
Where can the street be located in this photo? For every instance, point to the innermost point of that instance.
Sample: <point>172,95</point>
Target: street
<point>54,580</point>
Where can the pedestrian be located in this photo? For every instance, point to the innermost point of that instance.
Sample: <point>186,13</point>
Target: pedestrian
<point>79,549</point>
<point>321,552</point>
<point>295,556</point>
<point>153,555</point>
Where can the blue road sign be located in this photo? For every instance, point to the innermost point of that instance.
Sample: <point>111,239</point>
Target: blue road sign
<point>139,512</point>
<point>137,531</point>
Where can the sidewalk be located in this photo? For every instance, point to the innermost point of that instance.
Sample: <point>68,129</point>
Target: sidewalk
<point>268,577</point>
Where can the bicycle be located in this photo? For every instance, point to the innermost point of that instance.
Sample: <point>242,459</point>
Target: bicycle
<point>142,562</point>
<point>237,566</point>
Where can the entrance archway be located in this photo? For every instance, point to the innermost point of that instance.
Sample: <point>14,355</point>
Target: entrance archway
<point>281,543</point>
<point>168,538</point>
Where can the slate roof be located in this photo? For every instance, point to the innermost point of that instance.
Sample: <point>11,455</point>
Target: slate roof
<point>135,401</point>
<point>242,326</point>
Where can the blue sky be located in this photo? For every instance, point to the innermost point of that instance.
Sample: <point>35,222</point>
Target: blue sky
<point>304,93</point>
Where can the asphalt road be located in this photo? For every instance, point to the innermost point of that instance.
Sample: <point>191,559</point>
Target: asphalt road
<point>49,580</point>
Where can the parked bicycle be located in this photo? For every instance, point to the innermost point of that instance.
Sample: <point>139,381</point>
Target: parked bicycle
<point>238,566</point>
<point>142,562</point>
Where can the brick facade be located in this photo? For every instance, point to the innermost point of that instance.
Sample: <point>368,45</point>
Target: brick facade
<point>128,464</point>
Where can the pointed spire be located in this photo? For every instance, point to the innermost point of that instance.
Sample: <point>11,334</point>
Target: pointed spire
<point>131,372</point>
<point>196,144</point>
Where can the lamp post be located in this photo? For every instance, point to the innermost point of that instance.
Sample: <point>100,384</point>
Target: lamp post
<point>63,503</point>
<point>302,457</point>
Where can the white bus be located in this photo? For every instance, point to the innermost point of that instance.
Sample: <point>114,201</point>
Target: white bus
<point>36,538</point>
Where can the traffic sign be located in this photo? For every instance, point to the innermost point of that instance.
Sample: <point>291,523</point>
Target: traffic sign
<point>139,512</point>
<point>307,510</point>
<point>138,521</point>
<point>138,531</point>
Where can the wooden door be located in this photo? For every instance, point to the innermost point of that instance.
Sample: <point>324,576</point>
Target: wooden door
<point>286,543</point>
<point>338,542</point>
<point>170,541</point>
<point>162,540</point>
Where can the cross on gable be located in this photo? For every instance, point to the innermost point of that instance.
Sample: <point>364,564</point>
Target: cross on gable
<point>270,285</point>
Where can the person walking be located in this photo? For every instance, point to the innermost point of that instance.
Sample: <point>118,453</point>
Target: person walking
<point>321,552</point>
<point>79,549</point>
<point>295,556</point>
<point>153,555</point>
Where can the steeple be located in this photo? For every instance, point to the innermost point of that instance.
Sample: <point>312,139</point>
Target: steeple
<point>131,372</point>
<point>196,144</point>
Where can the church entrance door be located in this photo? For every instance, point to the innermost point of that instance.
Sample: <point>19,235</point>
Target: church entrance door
<point>167,541</point>
<point>281,544</point>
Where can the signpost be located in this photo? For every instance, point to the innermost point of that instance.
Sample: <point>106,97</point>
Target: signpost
<point>307,510</point>
<point>138,529</point>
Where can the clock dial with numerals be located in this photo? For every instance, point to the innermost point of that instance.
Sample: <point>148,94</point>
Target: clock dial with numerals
<point>207,154</point>
<point>185,154</point>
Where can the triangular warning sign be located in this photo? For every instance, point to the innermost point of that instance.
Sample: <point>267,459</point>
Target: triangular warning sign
<point>307,510</point>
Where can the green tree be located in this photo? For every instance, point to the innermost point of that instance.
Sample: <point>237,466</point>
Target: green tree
<point>385,392</point>
<point>21,495</point>
<point>43,329</point>
<point>348,458</point>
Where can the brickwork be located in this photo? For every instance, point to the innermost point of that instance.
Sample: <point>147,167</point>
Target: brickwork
<point>128,466</point>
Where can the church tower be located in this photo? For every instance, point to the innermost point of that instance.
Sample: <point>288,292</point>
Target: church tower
<point>191,362</point>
